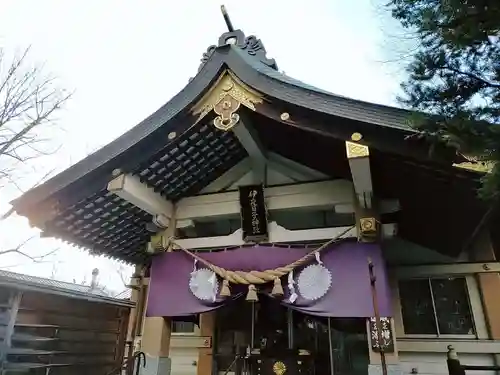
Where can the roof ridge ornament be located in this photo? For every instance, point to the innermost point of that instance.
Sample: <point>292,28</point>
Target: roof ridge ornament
<point>251,44</point>
<point>229,24</point>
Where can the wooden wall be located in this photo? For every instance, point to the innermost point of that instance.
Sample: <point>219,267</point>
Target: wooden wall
<point>67,335</point>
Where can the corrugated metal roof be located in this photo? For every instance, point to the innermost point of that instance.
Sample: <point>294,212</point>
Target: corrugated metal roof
<point>41,284</point>
<point>126,294</point>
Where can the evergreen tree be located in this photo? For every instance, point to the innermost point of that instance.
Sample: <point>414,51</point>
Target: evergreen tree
<point>455,76</point>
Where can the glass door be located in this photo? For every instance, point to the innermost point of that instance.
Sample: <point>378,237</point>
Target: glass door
<point>340,346</point>
<point>337,346</point>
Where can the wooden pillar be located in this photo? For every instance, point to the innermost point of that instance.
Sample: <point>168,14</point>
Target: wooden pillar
<point>489,284</point>
<point>156,336</point>
<point>205,355</point>
<point>153,337</point>
<point>369,230</point>
<point>136,291</point>
<point>155,331</point>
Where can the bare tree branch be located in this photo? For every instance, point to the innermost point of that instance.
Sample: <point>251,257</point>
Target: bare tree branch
<point>18,250</point>
<point>121,273</point>
<point>29,100</point>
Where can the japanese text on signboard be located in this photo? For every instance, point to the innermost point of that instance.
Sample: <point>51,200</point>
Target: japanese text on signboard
<point>253,213</point>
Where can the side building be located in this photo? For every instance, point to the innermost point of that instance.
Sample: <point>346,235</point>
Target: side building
<point>278,227</point>
<point>49,326</point>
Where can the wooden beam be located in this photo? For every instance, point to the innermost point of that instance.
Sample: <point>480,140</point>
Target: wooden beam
<point>295,171</point>
<point>277,234</point>
<point>309,196</point>
<point>359,163</point>
<point>131,189</point>
<point>231,176</point>
<point>249,139</point>
<point>384,207</point>
<point>276,162</point>
<point>446,269</point>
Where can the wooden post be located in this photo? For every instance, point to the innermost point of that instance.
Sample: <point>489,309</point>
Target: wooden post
<point>205,355</point>
<point>135,316</point>
<point>454,366</point>
<point>154,332</point>
<point>376,311</point>
<point>156,336</point>
<point>489,284</point>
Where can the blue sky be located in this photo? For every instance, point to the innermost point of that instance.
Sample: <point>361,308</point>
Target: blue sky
<point>126,58</point>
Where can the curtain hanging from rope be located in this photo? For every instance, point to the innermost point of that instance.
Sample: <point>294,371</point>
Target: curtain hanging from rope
<point>172,287</point>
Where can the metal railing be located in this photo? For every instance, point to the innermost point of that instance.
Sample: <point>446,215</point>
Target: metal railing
<point>456,368</point>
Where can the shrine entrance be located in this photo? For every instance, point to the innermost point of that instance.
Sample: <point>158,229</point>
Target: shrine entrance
<point>267,338</point>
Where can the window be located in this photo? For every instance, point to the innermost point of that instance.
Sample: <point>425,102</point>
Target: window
<point>182,327</point>
<point>437,306</point>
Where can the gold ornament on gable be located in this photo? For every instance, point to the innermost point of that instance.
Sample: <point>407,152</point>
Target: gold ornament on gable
<point>476,163</point>
<point>226,110</point>
<point>480,166</point>
<point>368,228</point>
<point>356,137</point>
<point>225,98</point>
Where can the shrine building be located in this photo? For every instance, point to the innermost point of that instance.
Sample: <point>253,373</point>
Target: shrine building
<point>277,228</point>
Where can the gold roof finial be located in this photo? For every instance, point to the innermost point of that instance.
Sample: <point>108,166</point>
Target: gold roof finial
<point>226,18</point>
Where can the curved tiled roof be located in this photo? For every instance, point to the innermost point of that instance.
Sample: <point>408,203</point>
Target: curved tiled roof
<point>335,104</point>
<point>81,210</point>
<point>251,67</point>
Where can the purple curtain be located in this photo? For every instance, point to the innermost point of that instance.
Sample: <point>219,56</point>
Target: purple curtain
<point>349,296</point>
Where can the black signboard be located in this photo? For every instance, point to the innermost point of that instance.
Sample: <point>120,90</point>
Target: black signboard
<point>253,213</point>
<point>387,340</point>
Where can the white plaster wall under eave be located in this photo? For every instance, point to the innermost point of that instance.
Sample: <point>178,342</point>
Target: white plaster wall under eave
<point>279,171</point>
<point>273,178</point>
